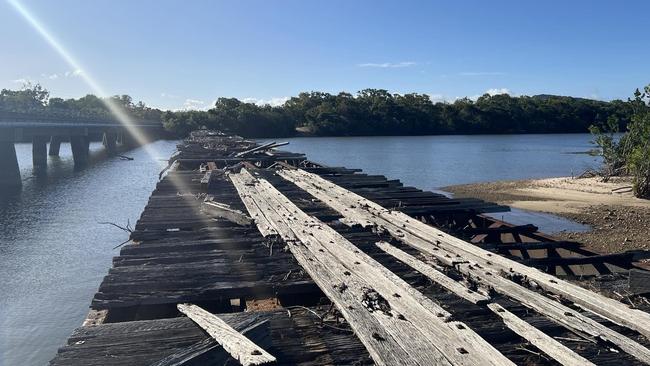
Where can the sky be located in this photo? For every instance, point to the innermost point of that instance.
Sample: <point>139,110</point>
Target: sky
<point>185,54</point>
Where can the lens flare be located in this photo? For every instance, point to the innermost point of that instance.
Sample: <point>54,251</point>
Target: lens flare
<point>115,109</point>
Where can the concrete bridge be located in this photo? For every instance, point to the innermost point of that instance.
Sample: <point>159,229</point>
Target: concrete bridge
<point>39,130</point>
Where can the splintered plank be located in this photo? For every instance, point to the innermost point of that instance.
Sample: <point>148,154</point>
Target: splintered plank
<point>434,275</point>
<point>224,211</point>
<point>610,309</point>
<point>366,292</point>
<point>375,331</point>
<point>233,342</point>
<point>479,263</point>
<point>199,351</point>
<point>539,339</point>
<point>536,337</point>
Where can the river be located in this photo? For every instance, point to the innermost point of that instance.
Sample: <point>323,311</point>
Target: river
<point>54,251</point>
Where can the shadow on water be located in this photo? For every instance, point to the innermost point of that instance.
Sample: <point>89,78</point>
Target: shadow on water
<point>54,252</point>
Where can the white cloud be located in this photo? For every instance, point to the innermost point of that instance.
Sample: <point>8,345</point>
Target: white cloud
<point>73,73</point>
<point>193,104</point>
<point>170,96</point>
<point>492,91</point>
<point>23,81</point>
<point>51,77</point>
<point>386,65</point>
<point>481,73</point>
<point>273,102</point>
<point>437,98</point>
<point>497,91</point>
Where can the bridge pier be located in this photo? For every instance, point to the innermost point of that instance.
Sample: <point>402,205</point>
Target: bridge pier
<point>9,170</point>
<point>55,145</point>
<point>39,153</point>
<point>80,150</point>
<point>110,142</point>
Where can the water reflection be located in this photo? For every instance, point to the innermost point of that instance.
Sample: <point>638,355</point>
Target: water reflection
<point>53,252</point>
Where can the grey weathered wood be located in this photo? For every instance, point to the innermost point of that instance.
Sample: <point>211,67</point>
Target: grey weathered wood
<point>610,309</point>
<point>539,339</point>
<point>220,210</point>
<point>319,243</point>
<point>434,275</point>
<point>189,354</point>
<point>454,251</point>
<point>233,342</point>
<point>95,317</point>
<point>375,330</point>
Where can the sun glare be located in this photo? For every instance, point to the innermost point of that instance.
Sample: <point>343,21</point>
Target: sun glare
<point>119,114</point>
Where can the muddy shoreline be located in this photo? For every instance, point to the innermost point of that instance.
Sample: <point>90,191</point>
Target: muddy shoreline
<point>620,221</point>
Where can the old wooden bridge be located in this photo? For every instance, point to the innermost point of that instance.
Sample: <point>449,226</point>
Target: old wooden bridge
<point>246,254</point>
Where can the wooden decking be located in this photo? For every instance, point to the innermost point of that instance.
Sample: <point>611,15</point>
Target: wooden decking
<point>338,280</point>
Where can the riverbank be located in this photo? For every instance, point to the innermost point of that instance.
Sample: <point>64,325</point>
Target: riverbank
<point>619,220</point>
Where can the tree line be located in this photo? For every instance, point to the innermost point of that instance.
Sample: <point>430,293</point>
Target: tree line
<point>368,112</point>
<point>378,112</point>
<point>34,100</point>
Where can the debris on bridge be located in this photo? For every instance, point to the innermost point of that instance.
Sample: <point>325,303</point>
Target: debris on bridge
<point>289,261</point>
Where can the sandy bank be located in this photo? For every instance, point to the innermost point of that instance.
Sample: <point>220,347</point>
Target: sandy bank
<point>620,221</point>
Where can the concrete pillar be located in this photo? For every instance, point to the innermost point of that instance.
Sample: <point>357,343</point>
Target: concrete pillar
<point>80,150</point>
<point>9,170</point>
<point>128,140</point>
<point>55,145</point>
<point>39,153</point>
<point>110,142</point>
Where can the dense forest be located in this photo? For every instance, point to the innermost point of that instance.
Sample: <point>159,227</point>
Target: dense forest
<point>378,112</point>
<point>369,112</point>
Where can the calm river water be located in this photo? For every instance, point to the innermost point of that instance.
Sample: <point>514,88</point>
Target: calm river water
<point>54,252</point>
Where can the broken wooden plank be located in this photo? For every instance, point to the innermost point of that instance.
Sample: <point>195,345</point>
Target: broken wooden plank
<point>95,317</point>
<point>433,274</point>
<point>539,339</point>
<point>373,328</point>
<point>367,213</point>
<point>454,251</point>
<point>542,341</point>
<point>260,148</point>
<point>233,342</point>
<point>192,353</point>
<point>220,210</point>
<point>317,243</point>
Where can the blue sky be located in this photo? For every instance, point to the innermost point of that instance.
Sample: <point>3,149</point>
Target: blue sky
<point>176,54</point>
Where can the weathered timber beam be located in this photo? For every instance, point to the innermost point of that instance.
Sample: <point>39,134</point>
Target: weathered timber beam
<point>454,251</point>
<point>191,354</point>
<point>539,339</point>
<point>434,275</point>
<point>237,345</point>
<point>529,228</point>
<point>542,341</point>
<point>216,209</point>
<point>531,246</point>
<point>318,244</point>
